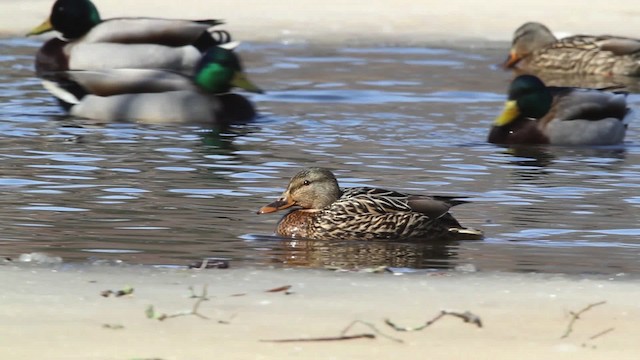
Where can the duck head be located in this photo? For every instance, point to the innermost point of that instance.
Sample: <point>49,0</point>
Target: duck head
<point>528,98</point>
<point>219,70</point>
<point>311,188</point>
<point>528,38</point>
<point>72,18</point>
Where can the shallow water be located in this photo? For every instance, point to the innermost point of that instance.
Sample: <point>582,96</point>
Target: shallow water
<point>411,119</point>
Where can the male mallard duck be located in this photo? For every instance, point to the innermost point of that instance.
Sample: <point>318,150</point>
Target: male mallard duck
<point>538,114</point>
<point>534,48</point>
<point>92,43</point>
<point>157,96</point>
<point>328,212</point>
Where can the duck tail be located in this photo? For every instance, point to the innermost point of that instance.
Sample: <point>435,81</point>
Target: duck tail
<point>629,117</point>
<point>210,22</point>
<point>462,233</point>
<point>210,38</point>
<point>451,200</point>
<point>68,94</point>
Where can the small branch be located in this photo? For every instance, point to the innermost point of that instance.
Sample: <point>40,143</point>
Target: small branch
<point>329,338</point>
<point>343,335</point>
<point>603,332</point>
<point>466,316</point>
<point>370,326</point>
<point>576,315</point>
<point>194,311</point>
<point>280,288</point>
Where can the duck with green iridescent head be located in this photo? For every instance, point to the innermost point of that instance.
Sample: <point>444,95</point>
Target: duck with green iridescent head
<point>160,97</point>
<point>324,211</point>
<point>538,114</point>
<point>535,48</point>
<point>87,42</point>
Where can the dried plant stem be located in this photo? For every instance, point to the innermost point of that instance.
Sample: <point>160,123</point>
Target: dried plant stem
<point>576,315</point>
<point>343,335</point>
<point>466,316</point>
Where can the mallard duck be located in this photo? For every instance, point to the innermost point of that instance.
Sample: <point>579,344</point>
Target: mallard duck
<point>363,213</point>
<point>157,96</point>
<point>535,48</point>
<point>538,114</point>
<point>88,42</point>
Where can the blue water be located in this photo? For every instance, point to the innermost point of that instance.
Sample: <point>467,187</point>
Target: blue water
<point>410,119</point>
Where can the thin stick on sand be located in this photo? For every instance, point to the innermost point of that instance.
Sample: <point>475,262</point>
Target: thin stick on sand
<point>466,316</point>
<point>343,335</point>
<point>576,315</point>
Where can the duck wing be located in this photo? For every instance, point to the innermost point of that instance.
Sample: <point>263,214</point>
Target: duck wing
<point>379,201</point>
<point>142,30</point>
<point>129,81</point>
<point>588,104</point>
<point>618,45</point>
<point>93,56</point>
<point>586,117</point>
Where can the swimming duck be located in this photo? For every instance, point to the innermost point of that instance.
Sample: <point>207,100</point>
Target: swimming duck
<point>88,42</point>
<point>157,96</point>
<point>535,48</point>
<point>362,213</point>
<point>537,114</point>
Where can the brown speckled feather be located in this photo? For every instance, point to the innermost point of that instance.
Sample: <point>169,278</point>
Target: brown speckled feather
<point>584,55</point>
<point>372,214</point>
<point>537,49</point>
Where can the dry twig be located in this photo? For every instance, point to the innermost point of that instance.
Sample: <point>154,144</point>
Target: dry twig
<point>343,335</point>
<point>194,310</point>
<point>603,332</point>
<point>466,316</point>
<point>576,315</point>
<point>279,288</point>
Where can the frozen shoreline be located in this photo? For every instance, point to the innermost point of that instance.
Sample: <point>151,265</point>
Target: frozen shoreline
<point>60,312</point>
<point>359,21</point>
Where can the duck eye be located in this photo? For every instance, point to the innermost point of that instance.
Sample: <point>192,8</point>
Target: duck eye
<point>306,182</point>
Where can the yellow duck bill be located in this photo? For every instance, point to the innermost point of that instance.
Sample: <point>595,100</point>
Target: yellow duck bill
<point>42,28</point>
<point>240,80</point>
<point>509,113</point>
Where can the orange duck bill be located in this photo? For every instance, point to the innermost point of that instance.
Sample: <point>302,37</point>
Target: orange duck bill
<point>282,203</point>
<point>511,61</point>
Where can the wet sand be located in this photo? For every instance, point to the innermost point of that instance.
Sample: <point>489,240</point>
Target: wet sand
<point>60,314</point>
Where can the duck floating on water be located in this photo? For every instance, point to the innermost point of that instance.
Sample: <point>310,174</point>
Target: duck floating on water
<point>538,114</point>
<point>327,212</point>
<point>535,48</point>
<point>90,43</point>
<point>156,96</point>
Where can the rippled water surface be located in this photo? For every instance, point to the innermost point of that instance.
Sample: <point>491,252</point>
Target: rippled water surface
<point>412,119</point>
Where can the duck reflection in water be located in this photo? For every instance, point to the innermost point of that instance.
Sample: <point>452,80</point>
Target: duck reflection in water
<point>350,255</point>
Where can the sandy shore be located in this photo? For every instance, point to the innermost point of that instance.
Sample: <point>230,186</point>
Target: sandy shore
<point>60,314</point>
<point>380,21</point>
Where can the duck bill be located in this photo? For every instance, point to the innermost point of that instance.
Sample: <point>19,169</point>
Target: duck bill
<point>241,80</point>
<point>511,61</point>
<point>42,28</point>
<point>509,113</point>
<point>279,204</point>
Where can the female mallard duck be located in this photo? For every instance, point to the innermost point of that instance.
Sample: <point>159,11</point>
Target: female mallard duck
<point>534,48</point>
<point>362,213</point>
<point>92,43</point>
<point>537,114</point>
<point>156,96</point>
